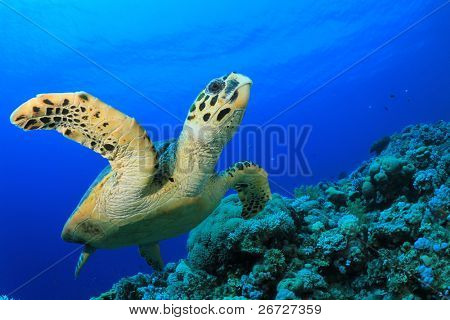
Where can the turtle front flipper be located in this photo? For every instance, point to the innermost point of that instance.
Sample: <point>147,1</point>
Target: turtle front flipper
<point>250,181</point>
<point>152,254</point>
<point>85,119</point>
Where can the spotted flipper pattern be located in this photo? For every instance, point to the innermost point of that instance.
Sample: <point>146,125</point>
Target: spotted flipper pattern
<point>85,119</point>
<point>250,181</point>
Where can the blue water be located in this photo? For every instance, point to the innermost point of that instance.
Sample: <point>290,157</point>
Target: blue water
<point>168,51</point>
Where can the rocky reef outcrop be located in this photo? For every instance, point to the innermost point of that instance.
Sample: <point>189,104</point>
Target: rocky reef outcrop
<point>380,233</point>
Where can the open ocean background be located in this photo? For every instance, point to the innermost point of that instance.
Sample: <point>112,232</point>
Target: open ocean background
<point>168,51</point>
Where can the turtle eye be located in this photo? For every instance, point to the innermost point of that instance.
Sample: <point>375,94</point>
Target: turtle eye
<point>216,86</point>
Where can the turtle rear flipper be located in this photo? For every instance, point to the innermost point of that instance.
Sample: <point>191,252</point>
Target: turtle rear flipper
<point>85,119</point>
<point>250,181</point>
<point>152,254</point>
<point>84,256</point>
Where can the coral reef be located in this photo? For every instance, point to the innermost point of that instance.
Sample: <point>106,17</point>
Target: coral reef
<point>380,233</point>
<point>379,145</point>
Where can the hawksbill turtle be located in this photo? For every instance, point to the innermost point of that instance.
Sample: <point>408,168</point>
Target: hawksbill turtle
<point>150,192</point>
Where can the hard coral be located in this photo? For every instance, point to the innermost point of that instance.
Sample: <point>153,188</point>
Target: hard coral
<point>379,145</point>
<point>380,233</point>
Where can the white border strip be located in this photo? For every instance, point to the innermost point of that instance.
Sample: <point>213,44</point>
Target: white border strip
<point>233,309</point>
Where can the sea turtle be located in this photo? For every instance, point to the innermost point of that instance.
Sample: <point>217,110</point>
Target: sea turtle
<point>150,192</point>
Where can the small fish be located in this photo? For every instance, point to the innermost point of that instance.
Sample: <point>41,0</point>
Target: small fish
<point>386,108</point>
<point>392,96</point>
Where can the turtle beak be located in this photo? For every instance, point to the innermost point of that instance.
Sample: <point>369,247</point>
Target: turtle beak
<point>242,93</point>
<point>243,80</point>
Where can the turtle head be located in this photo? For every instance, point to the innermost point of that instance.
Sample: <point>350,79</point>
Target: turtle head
<point>218,109</point>
<point>212,120</point>
<point>230,91</point>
